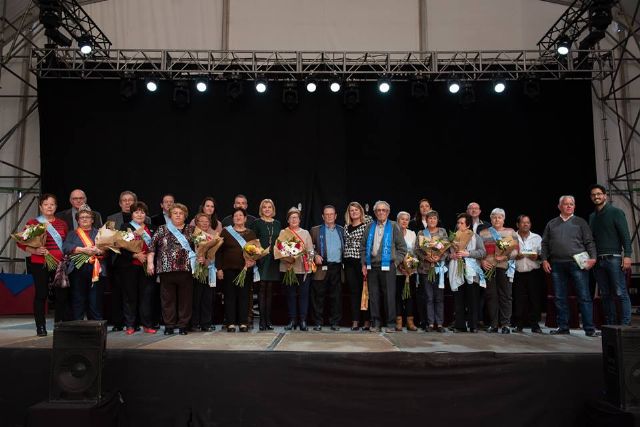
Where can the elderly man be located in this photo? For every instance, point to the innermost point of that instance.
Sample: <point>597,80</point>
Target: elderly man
<point>166,204</point>
<point>568,251</point>
<point>126,200</point>
<point>328,243</point>
<point>613,245</point>
<point>240,201</point>
<point>527,286</point>
<point>77,198</point>
<point>383,248</point>
<point>473,209</point>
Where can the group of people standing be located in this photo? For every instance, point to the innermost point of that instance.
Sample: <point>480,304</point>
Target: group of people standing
<point>157,284</point>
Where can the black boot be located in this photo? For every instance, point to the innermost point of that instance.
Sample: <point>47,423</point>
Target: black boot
<point>262,304</point>
<point>41,330</point>
<point>303,325</point>
<point>291,326</point>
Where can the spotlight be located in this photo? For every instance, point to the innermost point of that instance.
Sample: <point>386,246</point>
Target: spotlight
<point>261,86</point>
<point>234,88</point>
<point>290,95</point>
<point>334,86</point>
<point>351,96</point>
<point>50,13</point>
<point>85,44</point>
<point>311,85</point>
<point>152,85</point>
<point>600,16</point>
<point>181,94</point>
<point>454,86</point>
<point>467,94</point>
<point>419,89</point>
<point>128,88</point>
<point>531,87</point>
<point>499,86</point>
<point>563,45</point>
<point>384,85</point>
<point>57,37</point>
<point>201,85</point>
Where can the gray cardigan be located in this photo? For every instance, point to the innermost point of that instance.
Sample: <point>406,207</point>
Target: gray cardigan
<point>398,248</point>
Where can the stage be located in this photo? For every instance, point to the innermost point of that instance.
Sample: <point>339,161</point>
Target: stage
<point>320,378</point>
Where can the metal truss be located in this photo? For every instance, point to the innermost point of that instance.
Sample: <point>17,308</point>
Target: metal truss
<point>571,24</point>
<point>77,23</point>
<point>66,63</point>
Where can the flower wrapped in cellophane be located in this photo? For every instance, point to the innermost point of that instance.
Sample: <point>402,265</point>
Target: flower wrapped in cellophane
<point>35,236</point>
<point>288,248</point>
<point>129,240</point>
<point>107,237</point>
<point>206,245</point>
<point>432,246</point>
<point>252,250</point>
<point>408,267</point>
<point>458,241</point>
<point>504,246</point>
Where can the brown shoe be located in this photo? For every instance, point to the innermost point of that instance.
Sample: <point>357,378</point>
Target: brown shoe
<point>398,323</point>
<point>410,325</point>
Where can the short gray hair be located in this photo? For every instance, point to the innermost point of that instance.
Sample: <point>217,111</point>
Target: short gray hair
<point>566,196</point>
<point>498,211</point>
<point>403,213</point>
<point>381,202</point>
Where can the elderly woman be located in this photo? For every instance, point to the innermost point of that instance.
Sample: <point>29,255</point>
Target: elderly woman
<point>85,280</point>
<point>137,286</point>
<point>203,293</point>
<point>298,295</point>
<point>404,304</point>
<point>230,261</point>
<point>466,283</point>
<point>208,207</point>
<point>355,222</point>
<point>500,267</point>
<point>36,266</point>
<point>434,288</point>
<point>267,229</point>
<point>171,256</point>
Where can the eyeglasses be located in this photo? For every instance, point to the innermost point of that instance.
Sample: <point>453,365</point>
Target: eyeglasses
<point>84,217</point>
<point>382,210</point>
<point>78,198</point>
<point>597,194</point>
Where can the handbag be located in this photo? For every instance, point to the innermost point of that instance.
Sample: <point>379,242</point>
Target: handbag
<point>61,279</point>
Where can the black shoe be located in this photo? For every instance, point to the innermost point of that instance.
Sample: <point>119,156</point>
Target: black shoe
<point>560,332</point>
<point>117,329</point>
<point>590,333</point>
<point>303,325</point>
<point>441,329</point>
<point>168,331</point>
<point>536,330</point>
<point>269,327</point>
<point>183,331</point>
<point>355,328</point>
<point>492,330</point>
<point>317,328</point>
<point>505,330</point>
<point>231,328</point>
<point>198,329</point>
<point>518,330</point>
<point>429,329</point>
<point>244,328</point>
<point>291,326</point>
<point>459,330</point>
<point>41,331</point>
<point>262,328</point>
<point>473,330</point>
<point>335,328</point>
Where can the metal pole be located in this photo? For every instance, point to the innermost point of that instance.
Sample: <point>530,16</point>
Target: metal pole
<point>226,5</point>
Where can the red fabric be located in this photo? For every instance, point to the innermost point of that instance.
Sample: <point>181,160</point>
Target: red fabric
<point>16,304</point>
<point>145,248</point>
<point>49,244</point>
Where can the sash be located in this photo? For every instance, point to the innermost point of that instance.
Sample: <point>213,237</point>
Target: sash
<point>385,246</point>
<point>472,269</point>
<point>242,243</point>
<point>494,233</point>
<point>52,231</point>
<point>212,273</point>
<point>87,242</point>
<point>184,243</point>
<point>305,260</point>
<point>441,269</point>
<point>511,264</point>
<point>145,235</point>
<point>323,239</point>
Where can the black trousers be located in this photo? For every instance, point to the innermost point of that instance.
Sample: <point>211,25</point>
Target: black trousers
<point>498,299</point>
<point>265,298</point>
<point>236,298</point>
<point>118,272</point>
<point>176,294</point>
<point>526,293</point>
<point>421,303</point>
<point>466,306</point>
<point>137,296</point>
<point>41,279</point>
<point>354,279</point>
<point>331,286</point>
<point>202,305</point>
<point>382,282</point>
<point>405,306</point>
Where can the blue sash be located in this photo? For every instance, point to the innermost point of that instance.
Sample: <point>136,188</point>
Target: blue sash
<point>511,264</point>
<point>212,273</point>
<point>494,233</point>
<point>323,239</point>
<point>385,246</point>
<point>242,243</point>
<point>52,231</point>
<point>440,267</point>
<point>145,235</point>
<point>184,243</point>
<point>474,265</point>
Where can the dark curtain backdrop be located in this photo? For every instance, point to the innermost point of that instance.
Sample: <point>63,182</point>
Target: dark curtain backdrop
<point>504,151</point>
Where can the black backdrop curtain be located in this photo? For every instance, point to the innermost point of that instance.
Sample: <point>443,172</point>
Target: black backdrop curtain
<point>504,151</point>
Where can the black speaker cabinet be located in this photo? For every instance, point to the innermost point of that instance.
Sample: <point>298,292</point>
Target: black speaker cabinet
<point>621,357</point>
<point>76,364</point>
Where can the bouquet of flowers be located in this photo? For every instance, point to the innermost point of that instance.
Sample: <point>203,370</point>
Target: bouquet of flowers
<point>35,236</point>
<point>129,240</point>
<point>79,260</point>
<point>107,237</point>
<point>433,246</point>
<point>288,248</point>
<point>206,247</point>
<point>504,246</point>
<point>251,251</point>
<point>459,241</point>
<point>408,267</point>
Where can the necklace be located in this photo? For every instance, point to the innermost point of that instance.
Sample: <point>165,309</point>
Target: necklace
<point>269,226</point>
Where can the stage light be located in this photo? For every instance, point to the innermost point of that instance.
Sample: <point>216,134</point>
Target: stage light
<point>563,45</point>
<point>467,94</point>
<point>600,16</point>
<point>85,44</point>
<point>384,85</point>
<point>290,95</point>
<point>152,85</point>
<point>234,88</point>
<point>128,88</point>
<point>334,86</point>
<point>454,86</point>
<point>311,85</point>
<point>57,37</point>
<point>261,86</point>
<point>499,86</point>
<point>50,13</point>
<point>419,89</point>
<point>201,85</point>
<point>181,94</point>
<point>531,87</point>
<point>351,96</point>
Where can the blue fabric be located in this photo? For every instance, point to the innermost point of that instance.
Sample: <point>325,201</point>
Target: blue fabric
<point>86,297</point>
<point>184,243</point>
<point>212,273</point>
<point>474,265</point>
<point>73,241</point>
<point>52,231</point>
<point>560,274</point>
<point>145,235</point>
<point>333,243</point>
<point>16,283</point>
<point>611,283</point>
<point>298,296</point>
<point>385,246</point>
<point>242,242</point>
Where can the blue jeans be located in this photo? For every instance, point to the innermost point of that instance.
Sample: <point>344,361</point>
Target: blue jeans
<point>611,283</point>
<point>560,273</point>
<point>86,297</point>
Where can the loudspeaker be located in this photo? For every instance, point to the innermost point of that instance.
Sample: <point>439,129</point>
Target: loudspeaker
<point>76,364</point>
<point>621,358</point>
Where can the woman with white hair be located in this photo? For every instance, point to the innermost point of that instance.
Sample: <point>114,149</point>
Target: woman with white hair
<point>404,303</point>
<point>501,244</point>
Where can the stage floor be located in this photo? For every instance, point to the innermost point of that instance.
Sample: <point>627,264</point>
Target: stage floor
<point>19,332</point>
